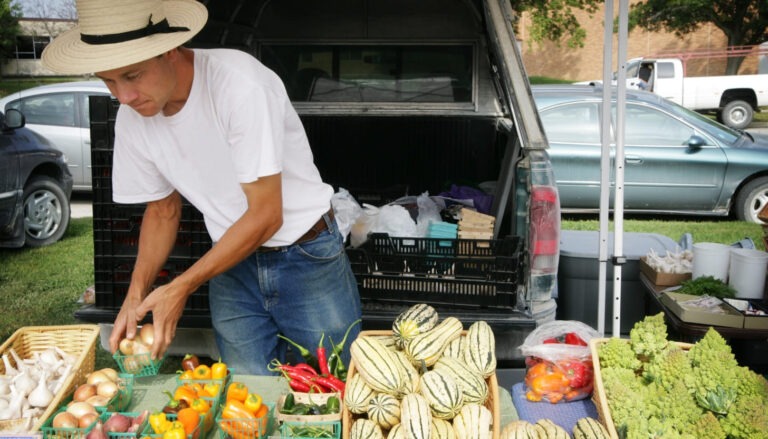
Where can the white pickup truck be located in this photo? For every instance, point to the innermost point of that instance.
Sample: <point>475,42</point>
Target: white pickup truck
<point>734,98</point>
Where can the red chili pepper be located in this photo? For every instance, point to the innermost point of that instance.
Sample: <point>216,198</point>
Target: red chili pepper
<point>305,367</point>
<point>331,383</point>
<point>309,380</point>
<point>322,359</point>
<point>299,386</point>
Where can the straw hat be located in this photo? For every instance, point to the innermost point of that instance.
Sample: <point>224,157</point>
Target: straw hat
<point>116,33</point>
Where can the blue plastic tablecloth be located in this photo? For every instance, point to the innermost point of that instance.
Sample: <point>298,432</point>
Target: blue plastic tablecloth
<point>564,414</point>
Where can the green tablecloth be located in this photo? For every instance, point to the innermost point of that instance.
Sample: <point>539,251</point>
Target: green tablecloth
<point>148,394</point>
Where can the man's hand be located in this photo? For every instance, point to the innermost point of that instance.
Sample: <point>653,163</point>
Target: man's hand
<point>167,304</point>
<point>125,323</point>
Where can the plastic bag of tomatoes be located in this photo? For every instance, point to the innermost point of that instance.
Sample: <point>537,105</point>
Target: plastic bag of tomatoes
<point>558,362</point>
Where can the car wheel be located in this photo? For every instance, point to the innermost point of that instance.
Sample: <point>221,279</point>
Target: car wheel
<point>737,114</point>
<point>46,211</point>
<point>751,199</point>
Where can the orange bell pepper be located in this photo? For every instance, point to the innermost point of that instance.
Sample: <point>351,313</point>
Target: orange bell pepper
<point>185,393</point>
<point>219,370</point>
<point>240,423</point>
<point>237,391</point>
<point>202,407</point>
<point>189,418</point>
<point>202,372</point>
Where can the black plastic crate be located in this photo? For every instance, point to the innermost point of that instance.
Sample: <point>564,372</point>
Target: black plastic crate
<point>464,273</point>
<point>113,276</point>
<point>116,231</point>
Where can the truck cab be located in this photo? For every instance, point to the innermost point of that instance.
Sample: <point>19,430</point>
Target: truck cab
<point>398,97</point>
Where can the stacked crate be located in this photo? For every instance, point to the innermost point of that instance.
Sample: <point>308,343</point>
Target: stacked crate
<point>116,226</point>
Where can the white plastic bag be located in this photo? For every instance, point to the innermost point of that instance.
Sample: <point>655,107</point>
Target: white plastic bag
<point>538,344</point>
<point>396,221</point>
<point>366,222</point>
<point>429,213</point>
<point>346,210</point>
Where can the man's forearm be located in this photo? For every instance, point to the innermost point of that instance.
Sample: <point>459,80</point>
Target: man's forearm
<point>156,240</point>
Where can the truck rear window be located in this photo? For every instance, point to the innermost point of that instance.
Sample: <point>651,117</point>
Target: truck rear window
<point>373,73</point>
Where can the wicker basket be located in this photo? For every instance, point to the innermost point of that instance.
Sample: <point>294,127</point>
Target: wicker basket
<point>492,403</point>
<point>78,340</point>
<point>598,394</point>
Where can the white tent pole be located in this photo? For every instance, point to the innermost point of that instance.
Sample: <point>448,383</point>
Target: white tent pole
<point>605,165</point>
<point>618,215</point>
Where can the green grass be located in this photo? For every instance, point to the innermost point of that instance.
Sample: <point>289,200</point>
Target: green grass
<point>10,85</point>
<point>715,230</point>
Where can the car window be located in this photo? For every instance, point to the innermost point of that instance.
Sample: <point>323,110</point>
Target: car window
<point>648,126</point>
<point>373,73</point>
<point>51,109</point>
<point>575,123</point>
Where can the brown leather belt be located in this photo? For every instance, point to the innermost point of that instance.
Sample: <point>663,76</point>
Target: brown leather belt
<point>311,234</point>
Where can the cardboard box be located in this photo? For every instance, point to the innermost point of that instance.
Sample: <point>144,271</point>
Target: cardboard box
<point>751,321</point>
<point>662,279</point>
<point>730,316</point>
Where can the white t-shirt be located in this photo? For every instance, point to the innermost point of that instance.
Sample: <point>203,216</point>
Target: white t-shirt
<point>237,125</point>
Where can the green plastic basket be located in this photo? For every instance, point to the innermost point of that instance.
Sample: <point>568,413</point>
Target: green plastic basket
<point>116,435</point>
<point>120,402</point>
<point>310,430</point>
<point>246,428</point>
<point>140,365</point>
<point>197,434</point>
<point>49,432</point>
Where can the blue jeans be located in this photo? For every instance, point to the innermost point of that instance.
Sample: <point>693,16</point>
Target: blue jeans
<point>301,291</point>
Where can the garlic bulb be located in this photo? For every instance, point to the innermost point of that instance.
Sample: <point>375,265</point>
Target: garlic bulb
<point>41,396</point>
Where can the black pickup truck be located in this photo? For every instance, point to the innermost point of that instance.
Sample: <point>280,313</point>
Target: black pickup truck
<point>397,97</point>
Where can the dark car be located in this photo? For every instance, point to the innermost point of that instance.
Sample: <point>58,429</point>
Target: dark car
<point>677,161</point>
<point>35,186</point>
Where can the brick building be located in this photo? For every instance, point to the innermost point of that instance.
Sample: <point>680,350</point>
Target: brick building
<point>580,64</point>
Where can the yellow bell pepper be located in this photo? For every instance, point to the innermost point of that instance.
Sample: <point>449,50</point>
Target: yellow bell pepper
<point>159,422</point>
<point>219,370</point>
<point>253,402</point>
<point>176,431</point>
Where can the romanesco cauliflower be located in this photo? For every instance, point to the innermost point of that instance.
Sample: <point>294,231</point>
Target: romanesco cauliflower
<point>649,336</point>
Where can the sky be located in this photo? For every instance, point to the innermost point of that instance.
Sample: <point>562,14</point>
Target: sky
<point>37,8</point>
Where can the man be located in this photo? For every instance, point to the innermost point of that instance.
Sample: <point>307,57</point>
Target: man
<point>217,128</point>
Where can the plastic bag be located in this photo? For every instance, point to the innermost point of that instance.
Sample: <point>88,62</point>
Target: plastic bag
<point>559,362</point>
<point>429,212</point>
<point>366,222</point>
<point>346,210</point>
<point>396,221</point>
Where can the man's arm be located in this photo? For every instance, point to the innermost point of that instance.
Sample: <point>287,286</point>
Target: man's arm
<point>262,219</point>
<point>156,240</point>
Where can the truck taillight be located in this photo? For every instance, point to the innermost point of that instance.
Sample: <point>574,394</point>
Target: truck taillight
<point>545,229</point>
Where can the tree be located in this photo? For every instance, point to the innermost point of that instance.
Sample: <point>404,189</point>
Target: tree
<point>9,27</point>
<point>554,20</point>
<point>60,9</point>
<point>744,22</point>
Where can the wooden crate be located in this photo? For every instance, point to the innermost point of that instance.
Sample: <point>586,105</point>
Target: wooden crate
<point>77,340</point>
<point>598,394</point>
<point>492,403</point>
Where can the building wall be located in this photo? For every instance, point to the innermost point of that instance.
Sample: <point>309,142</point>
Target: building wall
<point>39,28</point>
<point>580,64</point>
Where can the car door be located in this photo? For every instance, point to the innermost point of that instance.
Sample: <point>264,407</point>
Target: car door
<point>56,117</point>
<point>661,171</point>
<point>573,132</point>
<point>84,122</point>
<point>9,179</point>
